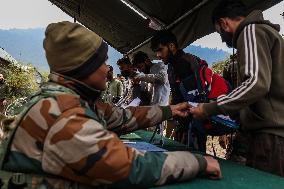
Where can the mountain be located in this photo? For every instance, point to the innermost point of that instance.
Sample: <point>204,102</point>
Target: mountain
<point>25,45</point>
<point>210,55</point>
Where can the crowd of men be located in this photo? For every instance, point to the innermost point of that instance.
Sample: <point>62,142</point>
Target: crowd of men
<point>67,135</point>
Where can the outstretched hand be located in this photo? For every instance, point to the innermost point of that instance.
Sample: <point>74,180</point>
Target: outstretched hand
<point>181,109</point>
<point>213,170</point>
<point>198,112</point>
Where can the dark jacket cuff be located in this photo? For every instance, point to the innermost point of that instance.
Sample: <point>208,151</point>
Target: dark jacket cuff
<point>211,109</point>
<point>202,163</point>
<point>167,112</point>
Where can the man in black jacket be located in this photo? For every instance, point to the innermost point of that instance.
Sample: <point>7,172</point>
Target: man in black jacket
<point>183,84</point>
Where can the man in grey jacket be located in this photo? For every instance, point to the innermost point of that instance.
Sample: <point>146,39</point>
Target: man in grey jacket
<point>156,74</point>
<point>259,96</point>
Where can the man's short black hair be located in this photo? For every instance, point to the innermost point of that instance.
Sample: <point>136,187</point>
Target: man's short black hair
<point>110,68</point>
<point>163,37</point>
<point>232,9</point>
<point>139,57</point>
<point>124,60</point>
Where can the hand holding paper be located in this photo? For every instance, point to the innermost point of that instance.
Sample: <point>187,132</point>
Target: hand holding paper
<point>197,110</point>
<point>181,109</point>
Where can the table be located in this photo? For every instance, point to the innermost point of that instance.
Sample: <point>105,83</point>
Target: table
<point>234,176</point>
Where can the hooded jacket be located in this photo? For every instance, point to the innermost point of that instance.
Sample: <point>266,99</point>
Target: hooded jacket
<point>259,96</point>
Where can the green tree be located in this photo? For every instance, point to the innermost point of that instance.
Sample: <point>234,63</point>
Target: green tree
<point>218,67</point>
<point>21,80</point>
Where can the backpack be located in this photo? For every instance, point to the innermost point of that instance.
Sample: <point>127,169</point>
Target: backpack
<point>209,86</point>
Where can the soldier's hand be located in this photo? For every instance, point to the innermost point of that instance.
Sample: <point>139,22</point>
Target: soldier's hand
<point>181,109</point>
<point>198,112</point>
<point>213,170</point>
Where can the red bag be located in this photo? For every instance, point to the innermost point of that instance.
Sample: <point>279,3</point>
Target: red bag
<point>211,83</point>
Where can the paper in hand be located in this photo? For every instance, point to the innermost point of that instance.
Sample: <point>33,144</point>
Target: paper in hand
<point>135,102</point>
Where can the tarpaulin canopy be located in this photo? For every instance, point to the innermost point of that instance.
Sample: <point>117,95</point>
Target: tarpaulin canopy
<point>127,31</point>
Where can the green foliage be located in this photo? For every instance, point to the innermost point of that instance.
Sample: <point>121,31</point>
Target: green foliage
<point>218,67</point>
<point>44,75</point>
<point>20,80</point>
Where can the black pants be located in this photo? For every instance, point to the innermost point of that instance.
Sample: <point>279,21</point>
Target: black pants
<point>266,153</point>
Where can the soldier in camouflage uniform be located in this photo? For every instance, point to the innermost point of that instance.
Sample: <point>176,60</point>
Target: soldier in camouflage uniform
<point>65,137</point>
<point>114,90</point>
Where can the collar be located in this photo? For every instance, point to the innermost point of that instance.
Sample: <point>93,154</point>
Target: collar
<point>87,93</point>
<point>179,54</point>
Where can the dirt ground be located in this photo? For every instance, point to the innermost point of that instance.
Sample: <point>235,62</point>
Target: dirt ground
<point>220,152</point>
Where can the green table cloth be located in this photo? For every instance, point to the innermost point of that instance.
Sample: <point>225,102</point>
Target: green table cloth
<point>234,176</point>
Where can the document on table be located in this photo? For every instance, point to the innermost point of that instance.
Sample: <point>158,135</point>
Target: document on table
<point>144,146</point>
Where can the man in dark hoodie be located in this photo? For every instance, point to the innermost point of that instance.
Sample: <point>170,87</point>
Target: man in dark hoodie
<point>260,91</point>
<point>183,84</point>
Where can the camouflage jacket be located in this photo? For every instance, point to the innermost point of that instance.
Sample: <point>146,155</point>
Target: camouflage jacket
<point>67,138</point>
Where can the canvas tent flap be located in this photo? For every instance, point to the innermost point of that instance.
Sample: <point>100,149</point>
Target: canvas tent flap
<point>198,24</point>
<point>128,32</point>
<point>121,27</point>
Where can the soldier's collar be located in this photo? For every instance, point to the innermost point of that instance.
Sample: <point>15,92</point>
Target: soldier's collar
<point>87,93</point>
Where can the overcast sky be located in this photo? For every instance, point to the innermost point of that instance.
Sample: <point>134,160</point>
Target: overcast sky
<point>39,13</point>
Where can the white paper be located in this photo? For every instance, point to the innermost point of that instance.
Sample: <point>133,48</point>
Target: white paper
<point>135,102</point>
<point>194,104</point>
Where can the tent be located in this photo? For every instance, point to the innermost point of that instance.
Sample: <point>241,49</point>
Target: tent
<point>118,22</point>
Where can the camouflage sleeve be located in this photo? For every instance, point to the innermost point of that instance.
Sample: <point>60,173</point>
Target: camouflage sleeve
<point>80,149</point>
<point>68,143</point>
<point>159,168</point>
<point>122,120</point>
